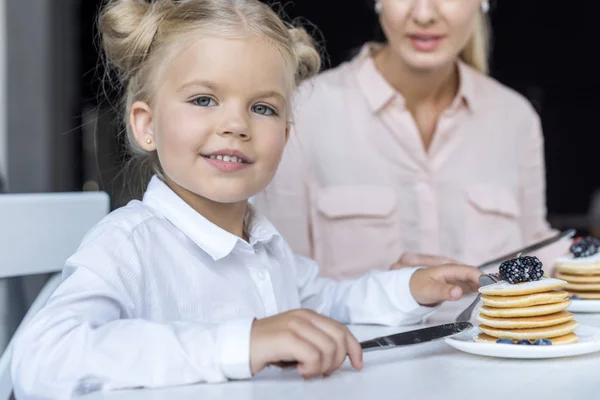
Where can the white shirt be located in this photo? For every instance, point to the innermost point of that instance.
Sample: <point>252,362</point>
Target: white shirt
<point>156,295</point>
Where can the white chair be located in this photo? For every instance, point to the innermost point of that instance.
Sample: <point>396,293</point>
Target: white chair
<point>38,232</point>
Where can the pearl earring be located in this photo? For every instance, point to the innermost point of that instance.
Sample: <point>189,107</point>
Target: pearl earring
<point>149,140</point>
<point>485,6</point>
<point>378,7</point>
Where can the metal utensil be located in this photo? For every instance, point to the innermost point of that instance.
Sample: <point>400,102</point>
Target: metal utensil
<point>569,233</point>
<point>484,280</point>
<point>406,338</point>
<point>415,337</point>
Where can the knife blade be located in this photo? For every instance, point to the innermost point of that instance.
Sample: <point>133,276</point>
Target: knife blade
<point>415,337</point>
<point>569,233</point>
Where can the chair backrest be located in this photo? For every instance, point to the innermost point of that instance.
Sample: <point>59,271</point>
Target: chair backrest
<point>39,231</point>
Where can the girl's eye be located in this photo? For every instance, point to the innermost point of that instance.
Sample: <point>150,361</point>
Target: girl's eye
<point>263,110</point>
<point>204,101</point>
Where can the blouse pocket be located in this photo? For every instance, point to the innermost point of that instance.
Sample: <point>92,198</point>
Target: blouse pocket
<point>356,230</point>
<point>492,221</point>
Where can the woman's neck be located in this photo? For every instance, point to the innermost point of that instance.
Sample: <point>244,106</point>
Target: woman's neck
<point>419,88</point>
<point>426,93</point>
<point>228,216</point>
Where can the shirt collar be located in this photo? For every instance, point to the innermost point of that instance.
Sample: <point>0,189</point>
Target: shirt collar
<point>466,89</point>
<point>378,92</point>
<point>373,85</point>
<point>215,241</point>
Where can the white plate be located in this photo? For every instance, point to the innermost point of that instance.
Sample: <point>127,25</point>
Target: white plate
<point>589,342</point>
<point>584,306</point>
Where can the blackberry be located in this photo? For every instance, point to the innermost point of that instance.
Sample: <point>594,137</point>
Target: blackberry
<point>585,247</point>
<point>524,341</point>
<point>542,342</point>
<point>505,341</point>
<point>521,269</point>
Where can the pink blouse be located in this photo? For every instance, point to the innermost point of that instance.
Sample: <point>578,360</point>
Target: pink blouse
<point>356,187</point>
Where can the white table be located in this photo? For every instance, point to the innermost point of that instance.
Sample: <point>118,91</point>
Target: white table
<point>429,371</point>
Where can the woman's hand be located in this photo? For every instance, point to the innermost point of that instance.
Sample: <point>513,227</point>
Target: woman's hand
<point>421,260</point>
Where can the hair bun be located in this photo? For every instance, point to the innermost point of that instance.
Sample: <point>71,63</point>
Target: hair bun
<point>307,56</point>
<point>127,29</point>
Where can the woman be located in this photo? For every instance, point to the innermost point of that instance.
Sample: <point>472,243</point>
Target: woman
<point>410,149</point>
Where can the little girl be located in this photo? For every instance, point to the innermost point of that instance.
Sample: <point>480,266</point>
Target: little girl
<point>191,284</point>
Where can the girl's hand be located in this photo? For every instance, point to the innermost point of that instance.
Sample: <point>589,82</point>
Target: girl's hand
<point>318,344</point>
<point>434,285</point>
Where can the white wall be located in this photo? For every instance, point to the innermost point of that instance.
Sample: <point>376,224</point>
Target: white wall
<point>3,124</point>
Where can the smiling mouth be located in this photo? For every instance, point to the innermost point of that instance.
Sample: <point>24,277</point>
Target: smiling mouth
<point>232,159</point>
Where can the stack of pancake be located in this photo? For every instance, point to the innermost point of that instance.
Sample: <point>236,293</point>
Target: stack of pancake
<point>582,276</point>
<point>526,311</point>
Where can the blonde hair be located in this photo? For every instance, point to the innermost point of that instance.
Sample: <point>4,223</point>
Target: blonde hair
<point>138,36</point>
<point>476,52</point>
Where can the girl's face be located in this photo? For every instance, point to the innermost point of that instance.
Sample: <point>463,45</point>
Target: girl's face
<point>428,34</point>
<point>219,118</point>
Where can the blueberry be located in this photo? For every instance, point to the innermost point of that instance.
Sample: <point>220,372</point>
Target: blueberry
<point>505,341</point>
<point>575,298</point>
<point>524,341</point>
<point>543,342</point>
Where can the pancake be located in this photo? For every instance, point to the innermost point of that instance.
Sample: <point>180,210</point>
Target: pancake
<point>585,295</point>
<point>578,269</point>
<point>541,309</point>
<point>526,322</point>
<point>579,278</point>
<point>526,300</point>
<point>547,332</point>
<point>565,339</point>
<point>570,259</point>
<point>504,288</point>
<point>583,287</point>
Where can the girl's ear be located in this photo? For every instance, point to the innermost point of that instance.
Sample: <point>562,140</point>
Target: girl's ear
<point>142,127</point>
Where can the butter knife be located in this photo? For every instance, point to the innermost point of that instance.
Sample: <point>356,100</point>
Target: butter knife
<point>569,233</point>
<point>415,337</point>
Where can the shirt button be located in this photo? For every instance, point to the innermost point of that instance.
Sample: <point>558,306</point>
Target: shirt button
<point>261,274</point>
